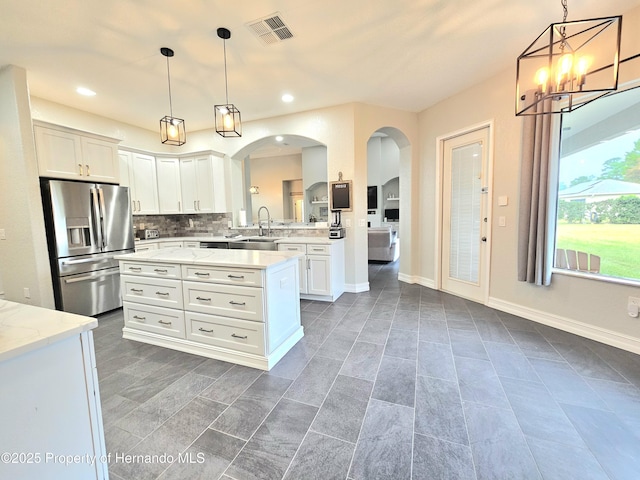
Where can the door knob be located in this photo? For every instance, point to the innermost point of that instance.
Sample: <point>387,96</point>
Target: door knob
<point>484,239</point>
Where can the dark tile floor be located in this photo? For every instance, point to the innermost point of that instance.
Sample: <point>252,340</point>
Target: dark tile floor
<point>399,382</point>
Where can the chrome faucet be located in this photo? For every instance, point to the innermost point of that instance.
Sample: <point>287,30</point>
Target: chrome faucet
<point>260,229</point>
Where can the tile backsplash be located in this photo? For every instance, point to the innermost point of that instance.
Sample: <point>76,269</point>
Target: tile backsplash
<point>204,224</point>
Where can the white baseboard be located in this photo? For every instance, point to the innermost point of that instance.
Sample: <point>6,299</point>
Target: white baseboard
<point>425,282</point>
<point>356,287</point>
<point>599,334</point>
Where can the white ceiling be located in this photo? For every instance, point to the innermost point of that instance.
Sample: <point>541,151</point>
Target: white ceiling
<point>405,54</point>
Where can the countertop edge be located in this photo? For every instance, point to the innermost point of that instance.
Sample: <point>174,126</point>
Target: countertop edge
<point>25,328</point>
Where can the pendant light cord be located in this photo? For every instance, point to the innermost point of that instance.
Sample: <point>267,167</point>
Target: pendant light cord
<point>169,82</point>
<point>226,86</point>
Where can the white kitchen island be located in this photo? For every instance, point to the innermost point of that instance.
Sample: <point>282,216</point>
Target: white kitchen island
<point>241,306</point>
<point>51,419</point>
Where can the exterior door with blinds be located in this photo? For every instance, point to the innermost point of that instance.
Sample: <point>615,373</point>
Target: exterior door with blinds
<point>464,215</point>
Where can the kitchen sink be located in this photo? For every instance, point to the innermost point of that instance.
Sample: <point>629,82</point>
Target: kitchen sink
<point>255,243</point>
<point>259,239</point>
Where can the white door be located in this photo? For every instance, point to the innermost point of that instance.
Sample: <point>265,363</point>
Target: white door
<point>464,215</point>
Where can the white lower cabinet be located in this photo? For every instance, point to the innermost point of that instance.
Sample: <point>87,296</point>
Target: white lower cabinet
<point>237,314</point>
<point>164,321</point>
<point>321,269</point>
<point>146,246</point>
<point>241,335</point>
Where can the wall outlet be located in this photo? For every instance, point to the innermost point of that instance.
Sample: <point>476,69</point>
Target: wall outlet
<point>362,222</point>
<point>633,307</point>
<point>347,222</point>
<point>3,236</point>
<point>27,292</point>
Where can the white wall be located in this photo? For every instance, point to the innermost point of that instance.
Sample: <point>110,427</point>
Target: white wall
<point>268,173</point>
<point>24,261</point>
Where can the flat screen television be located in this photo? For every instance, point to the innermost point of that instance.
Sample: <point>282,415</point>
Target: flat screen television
<point>372,197</point>
<point>392,214</point>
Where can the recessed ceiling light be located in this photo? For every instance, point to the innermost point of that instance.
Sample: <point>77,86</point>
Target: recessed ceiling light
<point>287,98</point>
<point>279,138</point>
<point>85,91</point>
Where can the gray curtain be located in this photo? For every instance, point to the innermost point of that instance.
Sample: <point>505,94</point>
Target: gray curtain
<point>535,224</point>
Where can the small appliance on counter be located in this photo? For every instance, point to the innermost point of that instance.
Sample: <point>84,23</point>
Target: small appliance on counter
<point>336,230</point>
<point>148,234</point>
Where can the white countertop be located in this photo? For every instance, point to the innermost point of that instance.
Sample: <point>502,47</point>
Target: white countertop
<point>260,259</point>
<point>24,328</point>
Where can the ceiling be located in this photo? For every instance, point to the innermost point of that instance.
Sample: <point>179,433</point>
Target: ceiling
<point>404,54</point>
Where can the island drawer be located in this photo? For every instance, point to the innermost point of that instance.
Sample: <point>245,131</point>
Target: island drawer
<point>164,321</point>
<point>165,270</point>
<point>226,300</point>
<point>292,247</point>
<point>240,335</point>
<point>234,276</point>
<point>152,291</point>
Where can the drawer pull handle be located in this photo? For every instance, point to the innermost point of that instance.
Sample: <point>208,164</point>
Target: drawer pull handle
<point>317,249</point>
<point>160,270</point>
<point>238,336</point>
<point>237,277</point>
<point>202,299</point>
<point>139,318</point>
<point>200,274</point>
<point>163,322</point>
<point>165,294</point>
<point>205,330</point>
<point>293,249</point>
<point>135,269</point>
<point>137,290</point>
<point>237,303</point>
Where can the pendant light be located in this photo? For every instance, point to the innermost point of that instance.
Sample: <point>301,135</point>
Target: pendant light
<point>570,64</point>
<point>227,116</point>
<point>172,130</point>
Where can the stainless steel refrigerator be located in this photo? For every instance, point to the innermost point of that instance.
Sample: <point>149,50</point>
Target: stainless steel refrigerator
<point>86,224</point>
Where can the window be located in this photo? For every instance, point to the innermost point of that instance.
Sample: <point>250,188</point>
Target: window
<point>598,215</point>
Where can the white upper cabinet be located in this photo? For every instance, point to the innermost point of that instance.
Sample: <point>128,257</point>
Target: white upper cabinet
<point>196,177</point>
<point>169,191</point>
<point>142,182</point>
<point>74,155</point>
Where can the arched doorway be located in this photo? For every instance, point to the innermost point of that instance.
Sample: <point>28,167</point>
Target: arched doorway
<point>388,198</point>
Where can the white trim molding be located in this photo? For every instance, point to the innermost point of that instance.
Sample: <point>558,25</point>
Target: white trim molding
<point>603,335</point>
<point>356,287</point>
<point>425,282</point>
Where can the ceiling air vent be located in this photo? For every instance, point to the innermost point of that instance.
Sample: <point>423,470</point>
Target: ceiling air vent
<point>270,29</point>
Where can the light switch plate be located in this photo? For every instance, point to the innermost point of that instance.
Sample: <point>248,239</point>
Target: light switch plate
<point>3,236</point>
<point>347,222</point>
<point>503,200</point>
<point>502,221</point>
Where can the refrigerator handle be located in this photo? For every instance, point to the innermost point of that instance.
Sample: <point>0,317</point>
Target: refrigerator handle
<point>97,218</point>
<point>102,210</point>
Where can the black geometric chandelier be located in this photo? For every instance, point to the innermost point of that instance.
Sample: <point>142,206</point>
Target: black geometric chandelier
<point>227,117</point>
<point>172,129</point>
<point>569,65</point>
